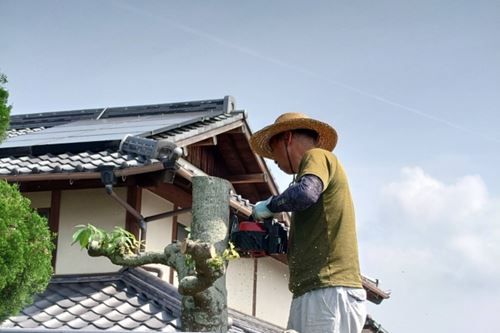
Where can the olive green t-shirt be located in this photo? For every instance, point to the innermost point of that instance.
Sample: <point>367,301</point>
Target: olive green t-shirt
<point>323,250</point>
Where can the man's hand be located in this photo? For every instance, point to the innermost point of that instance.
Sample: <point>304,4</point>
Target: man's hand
<point>260,210</point>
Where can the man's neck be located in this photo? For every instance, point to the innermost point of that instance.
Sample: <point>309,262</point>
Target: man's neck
<point>298,152</point>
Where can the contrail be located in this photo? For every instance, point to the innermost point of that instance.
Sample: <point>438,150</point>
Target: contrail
<point>303,71</point>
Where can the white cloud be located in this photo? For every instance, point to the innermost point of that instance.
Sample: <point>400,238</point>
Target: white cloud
<point>456,222</point>
<point>423,199</point>
<point>437,246</point>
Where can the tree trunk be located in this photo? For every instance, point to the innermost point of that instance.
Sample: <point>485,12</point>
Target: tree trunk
<point>206,311</point>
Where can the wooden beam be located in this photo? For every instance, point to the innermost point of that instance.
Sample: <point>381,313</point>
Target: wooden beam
<point>172,213</point>
<point>260,161</point>
<point>188,171</point>
<point>172,193</point>
<point>49,185</point>
<point>175,229</point>
<point>248,178</point>
<point>208,134</point>
<point>239,130</point>
<point>212,141</point>
<point>50,176</point>
<point>254,289</point>
<point>55,211</point>
<point>134,199</point>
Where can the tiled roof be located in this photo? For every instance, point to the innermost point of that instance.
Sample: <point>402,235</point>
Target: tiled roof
<point>13,132</point>
<point>130,300</point>
<point>67,162</point>
<point>88,161</point>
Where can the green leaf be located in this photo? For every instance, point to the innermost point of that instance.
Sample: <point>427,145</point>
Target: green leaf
<point>85,238</point>
<point>76,236</point>
<point>230,253</point>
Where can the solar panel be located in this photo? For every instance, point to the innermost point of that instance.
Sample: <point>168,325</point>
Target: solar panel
<point>104,130</point>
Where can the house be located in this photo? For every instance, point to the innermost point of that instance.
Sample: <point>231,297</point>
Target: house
<point>58,158</point>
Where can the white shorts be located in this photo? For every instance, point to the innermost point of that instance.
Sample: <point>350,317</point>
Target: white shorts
<point>325,310</point>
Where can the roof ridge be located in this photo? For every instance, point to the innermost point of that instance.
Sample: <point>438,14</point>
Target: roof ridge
<point>86,277</point>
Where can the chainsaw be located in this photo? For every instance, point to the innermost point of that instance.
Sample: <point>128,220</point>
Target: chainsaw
<point>258,238</point>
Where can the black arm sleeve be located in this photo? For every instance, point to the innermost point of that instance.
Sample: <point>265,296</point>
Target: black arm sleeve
<point>298,196</point>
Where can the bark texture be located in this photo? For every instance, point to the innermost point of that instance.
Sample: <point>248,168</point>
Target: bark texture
<point>207,310</point>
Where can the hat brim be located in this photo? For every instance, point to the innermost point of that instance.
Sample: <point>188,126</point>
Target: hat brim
<point>327,136</point>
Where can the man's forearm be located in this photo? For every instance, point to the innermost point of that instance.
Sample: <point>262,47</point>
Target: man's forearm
<point>299,196</point>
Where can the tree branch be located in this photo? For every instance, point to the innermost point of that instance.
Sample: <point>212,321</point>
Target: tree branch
<point>209,267</point>
<point>171,256</point>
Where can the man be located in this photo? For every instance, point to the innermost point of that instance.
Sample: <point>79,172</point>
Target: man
<point>323,259</point>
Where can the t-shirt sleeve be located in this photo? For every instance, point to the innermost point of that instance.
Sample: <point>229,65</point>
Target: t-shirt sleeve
<point>316,162</point>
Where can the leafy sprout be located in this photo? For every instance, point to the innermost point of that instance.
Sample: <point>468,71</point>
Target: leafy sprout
<point>119,241</point>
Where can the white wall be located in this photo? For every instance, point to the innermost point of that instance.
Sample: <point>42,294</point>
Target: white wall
<point>184,219</point>
<point>273,296</point>
<point>92,206</point>
<point>159,232</point>
<point>239,282</point>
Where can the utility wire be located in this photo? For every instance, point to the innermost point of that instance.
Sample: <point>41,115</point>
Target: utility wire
<point>304,71</point>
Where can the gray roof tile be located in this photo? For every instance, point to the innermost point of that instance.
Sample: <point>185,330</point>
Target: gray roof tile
<point>154,323</point>
<point>19,318</point>
<point>135,301</point>
<point>23,131</point>
<point>126,308</point>
<point>77,309</point>
<point>52,323</point>
<point>115,316</point>
<point>90,316</point>
<point>41,316</point>
<point>162,316</point>
<point>78,323</point>
<point>77,298</point>
<point>109,290</point>
<point>144,328</point>
<point>32,309</point>
<point>129,323</point>
<point>150,308</point>
<point>66,303</point>
<point>104,323</point>
<point>81,288</point>
<point>54,310</point>
<point>65,317</point>
<point>98,296</point>
<point>140,316</point>
<point>121,295</point>
<point>139,301</point>
<point>53,297</point>
<point>8,324</point>
<point>66,292</point>
<point>101,309</point>
<point>30,323</point>
<point>112,302</point>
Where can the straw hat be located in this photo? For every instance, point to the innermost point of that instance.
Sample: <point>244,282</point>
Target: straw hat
<point>327,136</point>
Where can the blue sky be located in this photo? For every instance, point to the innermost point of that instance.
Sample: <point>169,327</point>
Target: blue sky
<point>412,88</point>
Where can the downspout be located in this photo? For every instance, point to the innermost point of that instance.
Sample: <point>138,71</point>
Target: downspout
<point>168,154</point>
<point>108,178</point>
